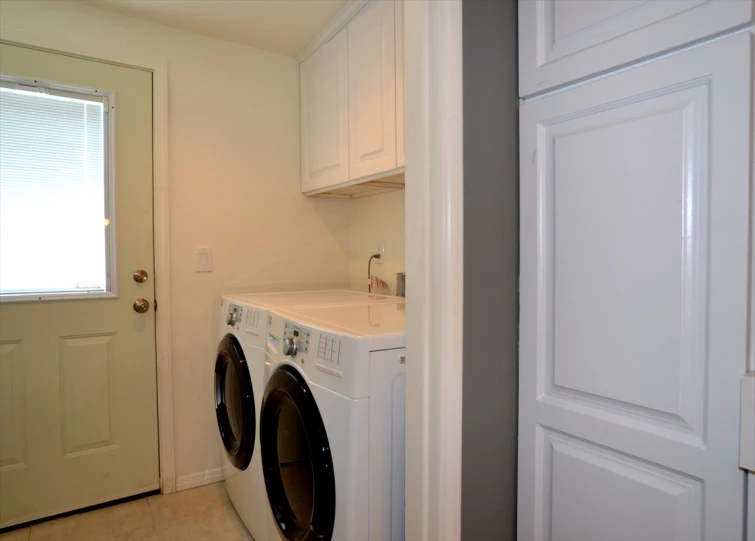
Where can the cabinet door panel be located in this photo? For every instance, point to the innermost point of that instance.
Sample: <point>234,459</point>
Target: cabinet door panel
<point>565,40</point>
<point>324,116</point>
<point>372,91</point>
<point>634,315</point>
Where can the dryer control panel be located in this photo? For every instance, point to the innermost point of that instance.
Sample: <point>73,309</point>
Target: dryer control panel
<point>329,349</point>
<point>298,336</point>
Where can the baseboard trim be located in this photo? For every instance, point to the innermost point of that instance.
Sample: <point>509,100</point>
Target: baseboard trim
<point>194,480</point>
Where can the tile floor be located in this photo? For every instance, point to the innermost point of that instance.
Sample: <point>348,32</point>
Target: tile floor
<point>203,513</point>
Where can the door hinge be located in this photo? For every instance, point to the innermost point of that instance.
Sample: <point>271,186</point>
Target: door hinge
<point>155,305</point>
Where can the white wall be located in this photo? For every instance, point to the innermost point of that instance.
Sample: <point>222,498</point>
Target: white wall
<point>375,218</point>
<point>234,187</point>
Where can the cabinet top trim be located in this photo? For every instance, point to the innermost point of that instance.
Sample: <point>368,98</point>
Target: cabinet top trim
<point>348,12</point>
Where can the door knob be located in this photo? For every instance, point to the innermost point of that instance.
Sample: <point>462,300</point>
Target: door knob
<point>140,276</point>
<point>141,305</point>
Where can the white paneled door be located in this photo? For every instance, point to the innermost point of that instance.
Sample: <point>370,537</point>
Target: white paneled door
<point>372,91</point>
<point>78,410</point>
<point>634,318</point>
<point>325,115</point>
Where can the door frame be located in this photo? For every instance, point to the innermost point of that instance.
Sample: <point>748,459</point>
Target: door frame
<point>160,181</point>
<point>434,262</point>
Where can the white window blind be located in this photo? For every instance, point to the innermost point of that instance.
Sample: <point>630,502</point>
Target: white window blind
<point>53,186</point>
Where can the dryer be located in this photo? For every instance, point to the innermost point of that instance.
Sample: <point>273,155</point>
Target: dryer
<point>332,422</point>
<point>240,378</point>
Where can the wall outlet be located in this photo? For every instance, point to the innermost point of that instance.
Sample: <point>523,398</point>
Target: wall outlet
<point>381,251</point>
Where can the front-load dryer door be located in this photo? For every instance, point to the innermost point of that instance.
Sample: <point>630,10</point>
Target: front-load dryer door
<point>234,402</point>
<point>296,459</point>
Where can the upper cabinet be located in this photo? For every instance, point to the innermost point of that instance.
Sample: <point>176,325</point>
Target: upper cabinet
<point>561,41</point>
<point>372,91</point>
<point>325,115</point>
<point>352,106</point>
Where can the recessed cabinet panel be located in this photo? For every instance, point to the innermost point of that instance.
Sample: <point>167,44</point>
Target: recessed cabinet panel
<point>372,91</point>
<point>565,40</point>
<point>324,115</point>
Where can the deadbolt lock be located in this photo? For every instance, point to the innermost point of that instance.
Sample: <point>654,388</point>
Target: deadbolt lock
<point>140,276</point>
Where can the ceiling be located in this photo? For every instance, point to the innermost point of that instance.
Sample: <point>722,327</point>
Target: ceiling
<point>281,26</point>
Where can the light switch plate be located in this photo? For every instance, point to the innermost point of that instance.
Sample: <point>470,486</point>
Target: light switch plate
<point>203,259</point>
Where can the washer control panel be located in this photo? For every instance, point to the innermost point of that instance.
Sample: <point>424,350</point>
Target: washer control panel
<point>234,315</point>
<point>298,339</point>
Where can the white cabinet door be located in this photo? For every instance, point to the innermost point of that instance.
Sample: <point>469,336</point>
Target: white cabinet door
<point>565,40</point>
<point>634,314</point>
<point>325,115</point>
<point>372,91</point>
<point>400,149</point>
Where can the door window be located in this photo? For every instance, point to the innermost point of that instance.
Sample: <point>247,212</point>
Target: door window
<point>54,188</point>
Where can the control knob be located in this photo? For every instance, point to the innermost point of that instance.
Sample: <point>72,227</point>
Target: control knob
<point>290,346</point>
<point>231,321</point>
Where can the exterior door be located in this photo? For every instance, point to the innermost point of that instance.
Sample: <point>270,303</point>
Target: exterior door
<point>78,408</point>
<point>634,312</point>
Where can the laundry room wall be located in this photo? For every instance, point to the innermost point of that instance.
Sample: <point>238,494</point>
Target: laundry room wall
<point>377,218</point>
<point>234,187</point>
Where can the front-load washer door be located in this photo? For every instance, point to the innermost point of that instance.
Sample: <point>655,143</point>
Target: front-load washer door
<point>296,459</point>
<point>234,402</point>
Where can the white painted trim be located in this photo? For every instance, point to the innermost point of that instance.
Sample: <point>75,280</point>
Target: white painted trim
<point>434,262</point>
<point>85,295</point>
<point>383,175</point>
<point>194,480</point>
<point>348,12</point>
<point>68,507</point>
<point>159,70</point>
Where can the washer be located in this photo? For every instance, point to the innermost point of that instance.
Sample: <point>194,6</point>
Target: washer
<point>240,378</point>
<point>239,385</point>
<point>332,422</point>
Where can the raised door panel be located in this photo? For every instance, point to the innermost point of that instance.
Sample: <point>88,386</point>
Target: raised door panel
<point>566,40</point>
<point>400,148</point>
<point>372,91</point>
<point>634,228</point>
<point>12,406</point>
<point>324,115</point>
<point>585,480</point>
